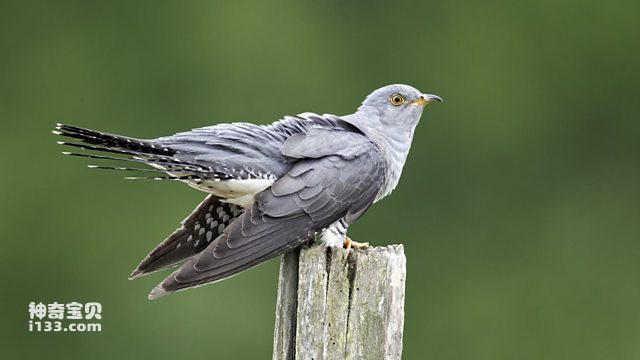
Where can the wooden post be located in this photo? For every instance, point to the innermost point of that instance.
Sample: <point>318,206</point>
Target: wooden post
<point>331,306</point>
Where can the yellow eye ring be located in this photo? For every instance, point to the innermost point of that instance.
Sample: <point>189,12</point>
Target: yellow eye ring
<point>397,99</point>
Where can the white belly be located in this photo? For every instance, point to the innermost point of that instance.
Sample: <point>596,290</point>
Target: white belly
<point>238,192</point>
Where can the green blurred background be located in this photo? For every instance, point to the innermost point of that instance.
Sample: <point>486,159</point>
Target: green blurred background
<point>519,205</point>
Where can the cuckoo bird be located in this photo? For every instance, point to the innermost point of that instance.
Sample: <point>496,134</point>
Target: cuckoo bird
<point>271,188</point>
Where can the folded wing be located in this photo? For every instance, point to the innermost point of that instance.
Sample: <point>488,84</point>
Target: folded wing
<point>338,174</point>
<point>197,231</point>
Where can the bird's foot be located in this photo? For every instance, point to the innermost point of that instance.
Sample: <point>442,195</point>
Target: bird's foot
<point>348,244</point>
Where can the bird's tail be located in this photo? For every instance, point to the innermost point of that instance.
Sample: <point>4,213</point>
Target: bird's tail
<point>129,149</point>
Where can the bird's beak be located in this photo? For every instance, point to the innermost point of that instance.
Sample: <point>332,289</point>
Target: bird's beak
<point>426,99</point>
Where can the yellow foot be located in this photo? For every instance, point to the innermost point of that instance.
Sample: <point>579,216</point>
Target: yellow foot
<point>348,244</point>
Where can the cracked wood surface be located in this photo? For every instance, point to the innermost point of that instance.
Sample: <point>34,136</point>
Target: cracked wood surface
<point>334,306</point>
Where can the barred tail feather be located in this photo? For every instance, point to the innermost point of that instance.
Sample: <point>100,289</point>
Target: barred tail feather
<point>149,152</point>
<point>112,141</point>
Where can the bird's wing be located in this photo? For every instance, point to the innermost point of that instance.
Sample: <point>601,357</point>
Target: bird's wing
<point>207,221</point>
<point>337,174</point>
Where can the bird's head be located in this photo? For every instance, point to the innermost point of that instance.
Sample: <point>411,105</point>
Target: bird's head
<point>391,113</point>
<point>397,103</point>
<point>388,117</point>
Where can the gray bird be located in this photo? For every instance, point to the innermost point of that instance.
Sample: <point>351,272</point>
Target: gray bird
<point>272,187</point>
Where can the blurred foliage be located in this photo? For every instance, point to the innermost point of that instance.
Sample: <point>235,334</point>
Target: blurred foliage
<point>519,205</point>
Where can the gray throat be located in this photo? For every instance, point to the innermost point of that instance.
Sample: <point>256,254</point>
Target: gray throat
<point>394,144</point>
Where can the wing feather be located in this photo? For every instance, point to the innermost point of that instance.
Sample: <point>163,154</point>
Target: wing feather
<point>188,240</point>
<point>340,179</point>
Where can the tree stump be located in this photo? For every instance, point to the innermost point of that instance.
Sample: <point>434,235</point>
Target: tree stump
<point>334,306</point>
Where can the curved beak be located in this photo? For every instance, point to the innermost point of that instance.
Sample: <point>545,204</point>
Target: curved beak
<point>426,99</point>
<point>432,98</point>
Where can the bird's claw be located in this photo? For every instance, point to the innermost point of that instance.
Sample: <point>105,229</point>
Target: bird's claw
<point>348,244</point>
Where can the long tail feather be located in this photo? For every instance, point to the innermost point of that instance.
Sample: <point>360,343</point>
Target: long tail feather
<point>147,152</point>
<point>123,152</point>
<point>112,141</point>
<point>120,168</point>
<point>170,166</point>
<point>185,177</point>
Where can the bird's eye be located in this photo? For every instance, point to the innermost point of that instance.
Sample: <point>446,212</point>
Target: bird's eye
<point>397,99</point>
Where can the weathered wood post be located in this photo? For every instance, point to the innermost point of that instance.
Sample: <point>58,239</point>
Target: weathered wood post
<point>334,306</point>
